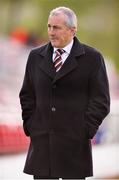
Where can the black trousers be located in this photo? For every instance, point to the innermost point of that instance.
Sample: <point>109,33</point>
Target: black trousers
<point>47,177</point>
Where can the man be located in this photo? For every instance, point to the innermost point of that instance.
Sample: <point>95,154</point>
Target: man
<point>64,98</point>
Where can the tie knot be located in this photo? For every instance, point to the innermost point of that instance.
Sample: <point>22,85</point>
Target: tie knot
<point>60,51</point>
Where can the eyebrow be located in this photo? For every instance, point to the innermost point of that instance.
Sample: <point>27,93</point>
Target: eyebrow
<point>49,25</point>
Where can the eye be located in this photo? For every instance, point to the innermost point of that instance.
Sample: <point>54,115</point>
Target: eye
<point>49,26</point>
<point>55,27</point>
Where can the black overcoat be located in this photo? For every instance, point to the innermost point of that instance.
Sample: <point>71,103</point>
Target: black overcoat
<point>62,111</point>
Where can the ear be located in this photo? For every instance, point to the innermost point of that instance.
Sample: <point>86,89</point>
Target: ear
<point>73,31</point>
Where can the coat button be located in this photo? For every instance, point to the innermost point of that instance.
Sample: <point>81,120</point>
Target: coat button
<point>53,109</point>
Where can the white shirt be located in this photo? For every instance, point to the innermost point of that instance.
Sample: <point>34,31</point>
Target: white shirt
<point>66,53</point>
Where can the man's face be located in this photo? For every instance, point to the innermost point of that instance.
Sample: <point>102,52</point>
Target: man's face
<point>59,34</point>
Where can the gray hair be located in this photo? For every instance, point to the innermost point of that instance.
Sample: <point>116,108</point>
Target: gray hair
<point>71,19</point>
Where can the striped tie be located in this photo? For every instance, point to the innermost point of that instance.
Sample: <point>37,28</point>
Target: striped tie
<point>58,59</point>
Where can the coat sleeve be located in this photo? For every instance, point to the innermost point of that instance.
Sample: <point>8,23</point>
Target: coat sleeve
<point>99,98</point>
<point>27,96</point>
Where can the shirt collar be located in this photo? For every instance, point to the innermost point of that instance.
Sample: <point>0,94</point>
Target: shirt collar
<point>67,48</point>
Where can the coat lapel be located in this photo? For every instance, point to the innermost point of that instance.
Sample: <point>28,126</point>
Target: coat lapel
<point>45,62</point>
<point>71,62</point>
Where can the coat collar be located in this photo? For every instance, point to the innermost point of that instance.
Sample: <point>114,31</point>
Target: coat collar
<point>70,64</point>
<point>45,62</point>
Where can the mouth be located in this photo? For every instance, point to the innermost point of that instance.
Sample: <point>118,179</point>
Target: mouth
<point>53,39</point>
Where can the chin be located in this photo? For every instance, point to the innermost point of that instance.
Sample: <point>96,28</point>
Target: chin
<point>54,44</point>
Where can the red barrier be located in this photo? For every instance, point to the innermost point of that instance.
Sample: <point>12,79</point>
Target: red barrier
<point>12,139</point>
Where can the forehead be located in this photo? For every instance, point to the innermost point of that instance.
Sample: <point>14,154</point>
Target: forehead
<point>59,19</point>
